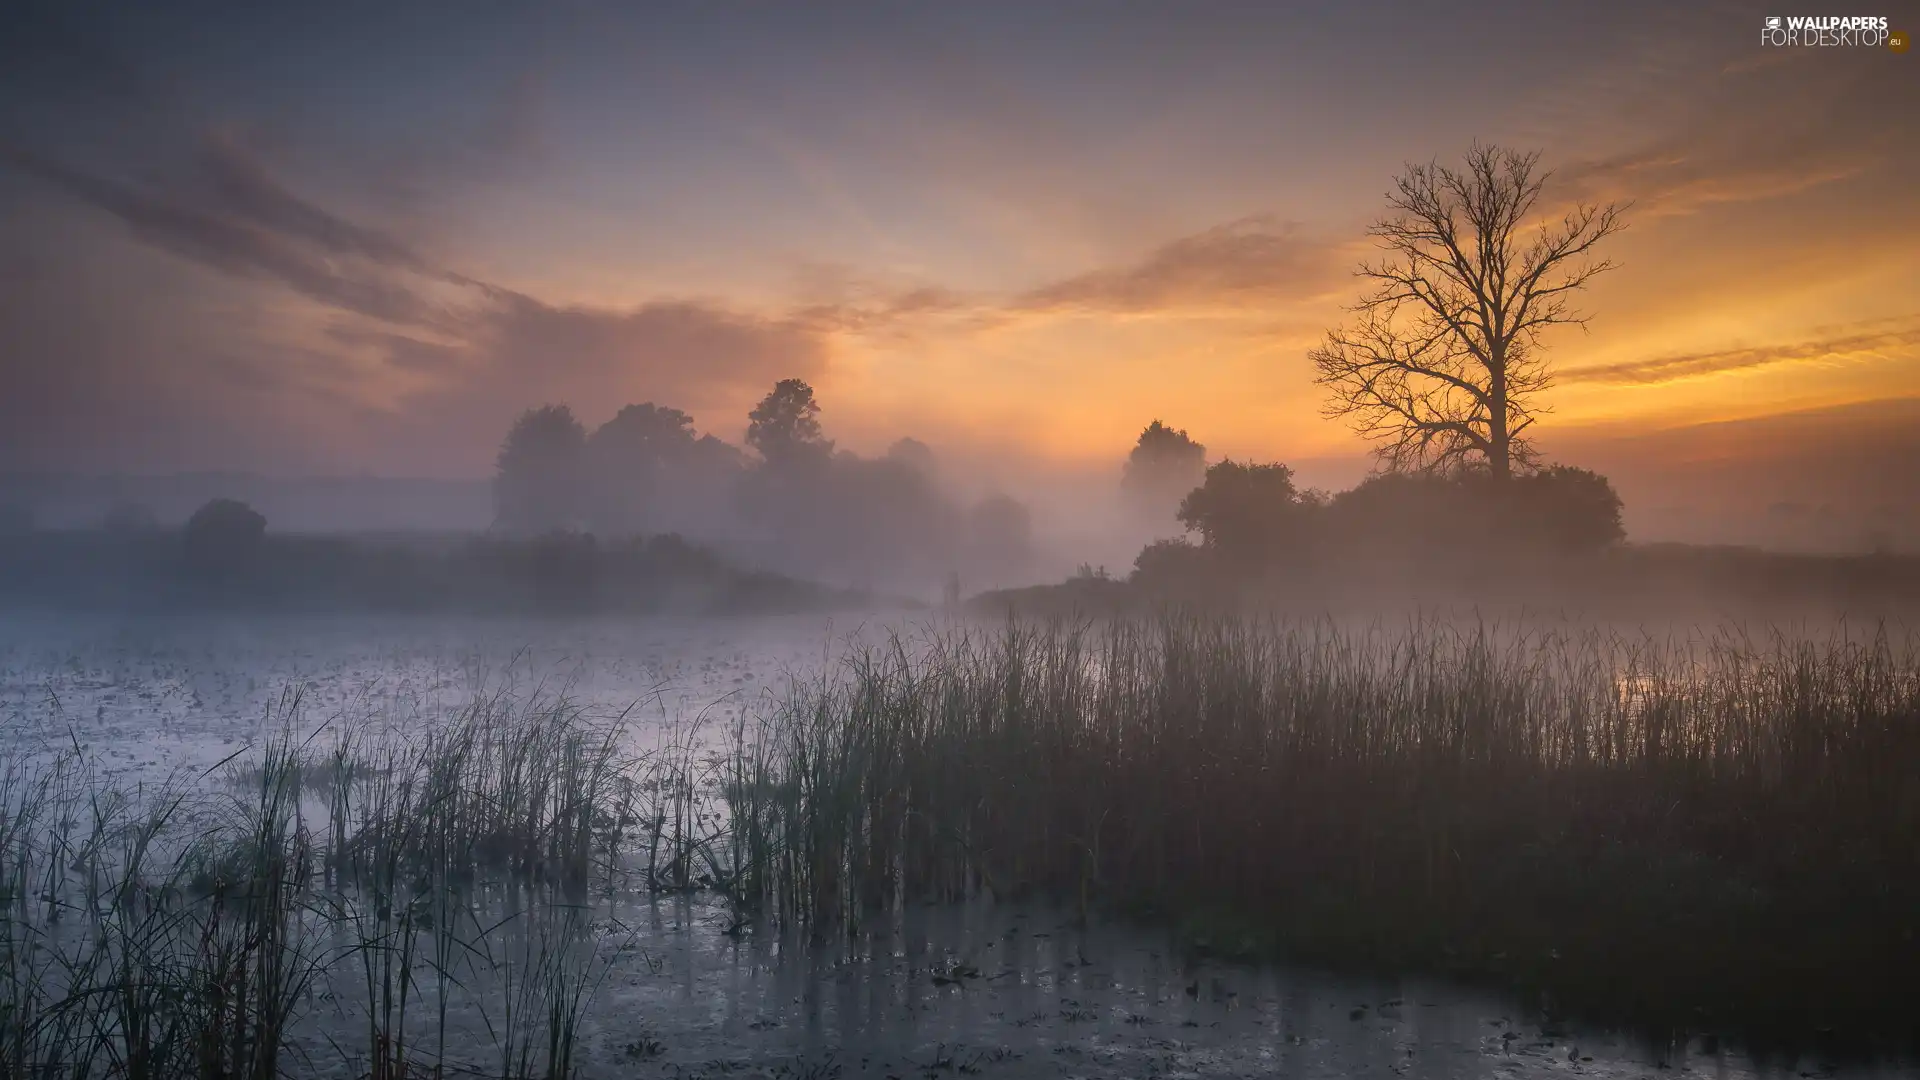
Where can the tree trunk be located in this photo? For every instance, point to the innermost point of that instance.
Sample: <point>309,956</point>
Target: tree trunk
<point>1499,439</point>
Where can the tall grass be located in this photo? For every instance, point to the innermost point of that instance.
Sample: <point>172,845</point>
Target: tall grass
<point>126,953</point>
<point>1652,826</point>
<point>181,932</point>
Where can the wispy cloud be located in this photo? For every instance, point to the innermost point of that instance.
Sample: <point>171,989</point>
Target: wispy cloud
<point>467,353</point>
<point>230,216</point>
<point>1889,339</point>
<point>1766,126</point>
<point>1249,261</point>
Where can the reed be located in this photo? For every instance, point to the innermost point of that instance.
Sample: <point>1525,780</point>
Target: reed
<point>182,932</point>
<point>1658,827</point>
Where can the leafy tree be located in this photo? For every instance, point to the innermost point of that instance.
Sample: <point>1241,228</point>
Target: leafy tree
<point>785,426</point>
<point>539,474</point>
<point>628,459</point>
<point>1249,513</point>
<point>223,536</point>
<point>1163,466</point>
<point>1445,363</point>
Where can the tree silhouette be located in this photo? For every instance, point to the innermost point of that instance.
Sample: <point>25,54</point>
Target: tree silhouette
<point>538,475</point>
<point>1570,509</point>
<point>1445,362</point>
<point>628,458</point>
<point>1163,466</point>
<point>1249,512</point>
<point>913,454</point>
<point>1474,516</point>
<point>222,536</point>
<point>785,426</point>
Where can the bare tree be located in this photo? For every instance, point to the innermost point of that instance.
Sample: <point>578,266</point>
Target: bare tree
<point>1444,365</point>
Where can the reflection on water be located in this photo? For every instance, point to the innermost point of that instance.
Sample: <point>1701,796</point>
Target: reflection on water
<point>678,990</point>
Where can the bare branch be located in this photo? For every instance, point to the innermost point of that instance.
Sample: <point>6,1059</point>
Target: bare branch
<point>1444,365</point>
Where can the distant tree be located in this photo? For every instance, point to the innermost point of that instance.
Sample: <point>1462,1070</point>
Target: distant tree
<point>1445,363</point>
<point>540,472</point>
<point>1249,513</point>
<point>914,454</point>
<point>130,517</point>
<point>223,536</point>
<point>785,427</point>
<point>628,458</point>
<point>1163,466</point>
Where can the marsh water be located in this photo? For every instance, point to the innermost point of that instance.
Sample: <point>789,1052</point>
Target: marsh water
<point>678,987</point>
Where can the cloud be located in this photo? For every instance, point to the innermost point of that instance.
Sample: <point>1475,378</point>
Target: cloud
<point>1900,339</point>
<point>241,186</point>
<point>695,354</point>
<point>1770,125</point>
<point>462,355</point>
<point>1252,263</point>
<point>1241,263</point>
<point>233,220</point>
<point>1682,177</point>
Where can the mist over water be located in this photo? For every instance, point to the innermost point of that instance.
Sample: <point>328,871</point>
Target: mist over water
<point>924,541</point>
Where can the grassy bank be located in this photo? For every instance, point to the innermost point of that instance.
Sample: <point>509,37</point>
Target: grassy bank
<point>1629,582</point>
<point>453,574</point>
<point>1717,835</point>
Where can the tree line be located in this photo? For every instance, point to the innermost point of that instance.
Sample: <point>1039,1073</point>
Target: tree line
<point>788,499</point>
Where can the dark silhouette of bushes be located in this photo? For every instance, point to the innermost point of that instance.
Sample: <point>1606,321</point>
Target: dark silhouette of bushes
<point>223,538</point>
<point>1393,532</point>
<point>556,573</point>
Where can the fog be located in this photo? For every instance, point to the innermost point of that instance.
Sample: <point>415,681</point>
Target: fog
<point>1020,540</point>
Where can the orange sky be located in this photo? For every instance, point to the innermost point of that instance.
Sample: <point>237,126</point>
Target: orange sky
<point>364,242</point>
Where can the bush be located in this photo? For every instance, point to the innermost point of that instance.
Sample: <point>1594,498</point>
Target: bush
<point>223,536</point>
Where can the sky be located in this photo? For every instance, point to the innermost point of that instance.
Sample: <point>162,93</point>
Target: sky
<point>360,238</point>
